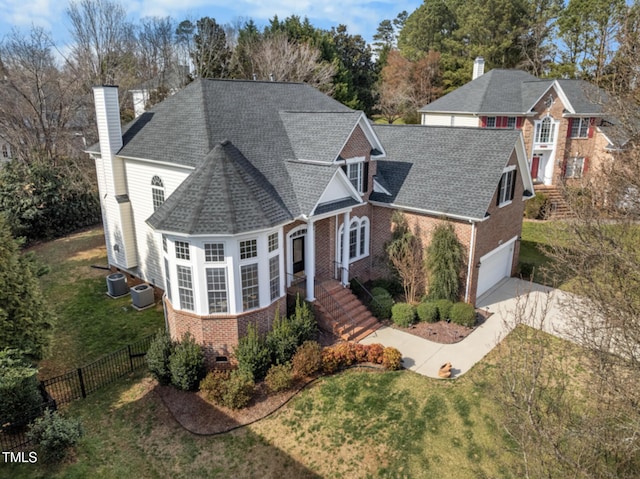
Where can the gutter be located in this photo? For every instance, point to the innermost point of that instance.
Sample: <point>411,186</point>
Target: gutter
<point>472,254</point>
<point>427,212</point>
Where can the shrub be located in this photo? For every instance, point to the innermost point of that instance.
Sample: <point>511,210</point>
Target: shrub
<point>463,314</point>
<point>403,314</point>
<point>54,434</point>
<point>187,364</point>
<point>393,286</point>
<point>214,385</point>
<point>427,312</point>
<point>308,359</point>
<point>536,207</point>
<point>330,363</point>
<point>282,340</point>
<point>252,354</point>
<point>345,354</point>
<point>375,353</point>
<point>527,270</point>
<point>279,377</point>
<point>445,257</point>
<point>391,359</point>
<point>229,389</point>
<point>158,357</point>
<point>444,308</point>
<point>20,396</point>
<point>356,287</point>
<point>381,307</point>
<point>360,351</point>
<point>304,322</point>
<point>379,291</point>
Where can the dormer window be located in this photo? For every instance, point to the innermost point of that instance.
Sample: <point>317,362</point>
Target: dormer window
<point>357,172</point>
<point>507,186</point>
<point>157,192</point>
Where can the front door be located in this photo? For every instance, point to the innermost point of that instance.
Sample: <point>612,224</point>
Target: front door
<point>535,164</point>
<point>298,254</point>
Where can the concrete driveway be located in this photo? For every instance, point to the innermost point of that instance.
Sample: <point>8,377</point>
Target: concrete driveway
<point>425,357</point>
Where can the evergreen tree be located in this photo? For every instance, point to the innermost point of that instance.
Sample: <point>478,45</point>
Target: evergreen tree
<point>444,263</point>
<point>211,54</point>
<point>25,319</point>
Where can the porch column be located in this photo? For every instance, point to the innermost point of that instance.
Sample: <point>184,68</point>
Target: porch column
<point>310,259</point>
<point>345,249</point>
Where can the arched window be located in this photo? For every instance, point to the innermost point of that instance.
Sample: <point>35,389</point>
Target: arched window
<point>358,239</point>
<point>544,130</point>
<point>157,192</point>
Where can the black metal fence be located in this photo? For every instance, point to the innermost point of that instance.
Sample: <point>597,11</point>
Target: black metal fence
<point>76,384</point>
<point>79,383</point>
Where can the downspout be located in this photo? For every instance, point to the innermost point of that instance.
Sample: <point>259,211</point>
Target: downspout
<point>472,254</point>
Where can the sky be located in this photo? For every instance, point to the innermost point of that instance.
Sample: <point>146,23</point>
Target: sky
<point>361,16</point>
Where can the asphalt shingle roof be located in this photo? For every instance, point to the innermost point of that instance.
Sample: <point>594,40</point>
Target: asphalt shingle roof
<point>515,92</point>
<point>445,170</point>
<point>224,195</point>
<point>309,182</point>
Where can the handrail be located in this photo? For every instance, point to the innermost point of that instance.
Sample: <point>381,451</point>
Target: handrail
<point>365,290</point>
<point>334,308</point>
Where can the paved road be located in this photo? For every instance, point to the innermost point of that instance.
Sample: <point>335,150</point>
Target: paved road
<point>425,357</point>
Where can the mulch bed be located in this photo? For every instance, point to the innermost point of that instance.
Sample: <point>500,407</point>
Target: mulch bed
<point>442,331</point>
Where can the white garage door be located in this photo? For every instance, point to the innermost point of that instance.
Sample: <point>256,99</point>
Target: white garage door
<point>494,266</point>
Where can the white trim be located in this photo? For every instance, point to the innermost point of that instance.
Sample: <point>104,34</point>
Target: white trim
<point>359,221</point>
<point>368,133</point>
<point>342,176</point>
<point>380,188</point>
<point>290,236</point>
<point>470,260</point>
<point>498,249</point>
<point>427,212</point>
<point>563,96</point>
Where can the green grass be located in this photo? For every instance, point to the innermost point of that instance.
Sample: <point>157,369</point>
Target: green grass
<point>536,236</point>
<point>88,324</point>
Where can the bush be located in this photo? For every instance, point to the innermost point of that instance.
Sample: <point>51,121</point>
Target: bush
<point>375,353</point>
<point>20,397</point>
<point>463,314</point>
<point>444,308</point>
<point>252,354</point>
<point>54,434</point>
<point>445,257</point>
<point>379,291</point>
<point>232,390</point>
<point>187,364</point>
<point>393,286</point>
<point>427,312</point>
<point>158,357</point>
<point>330,363</point>
<point>282,340</point>
<point>536,208</point>
<point>308,359</point>
<point>403,314</point>
<point>392,359</point>
<point>345,354</point>
<point>381,307</point>
<point>279,377</point>
<point>303,322</point>
<point>526,270</point>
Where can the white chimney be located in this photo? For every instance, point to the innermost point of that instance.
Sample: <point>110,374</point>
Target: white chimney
<point>478,68</point>
<point>110,134</point>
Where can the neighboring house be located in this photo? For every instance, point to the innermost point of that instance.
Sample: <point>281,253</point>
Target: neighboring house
<point>164,84</point>
<point>562,121</point>
<point>227,192</point>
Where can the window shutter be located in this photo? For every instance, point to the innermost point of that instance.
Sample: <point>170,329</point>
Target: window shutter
<point>513,183</point>
<point>585,165</point>
<point>499,190</point>
<point>592,123</point>
<point>519,122</point>
<point>500,122</point>
<point>483,121</point>
<point>569,127</point>
<point>365,178</point>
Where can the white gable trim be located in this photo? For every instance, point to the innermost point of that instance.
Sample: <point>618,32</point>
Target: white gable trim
<point>372,138</point>
<point>525,172</point>
<point>338,188</point>
<point>378,188</point>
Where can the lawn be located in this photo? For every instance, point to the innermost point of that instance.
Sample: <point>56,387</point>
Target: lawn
<point>536,235</point>
<point>88,323</point>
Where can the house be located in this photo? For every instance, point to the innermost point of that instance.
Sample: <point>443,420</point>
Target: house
<point>563,122</point>
<point>164,84</point>
<point>228,192</point>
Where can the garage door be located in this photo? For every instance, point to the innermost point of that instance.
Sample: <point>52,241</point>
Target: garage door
<point>494,266</point>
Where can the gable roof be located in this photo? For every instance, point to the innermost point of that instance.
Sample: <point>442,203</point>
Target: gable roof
<point>515,92</point>
<point>451,171</point>
<point>224,195</point>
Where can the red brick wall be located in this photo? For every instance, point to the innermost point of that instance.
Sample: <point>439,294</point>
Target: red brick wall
<point>218,335</point>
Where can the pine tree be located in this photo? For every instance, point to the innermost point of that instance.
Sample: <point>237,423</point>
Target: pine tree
<point>25,319</point>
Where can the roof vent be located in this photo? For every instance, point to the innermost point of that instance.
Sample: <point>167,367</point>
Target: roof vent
<point>255,77</point>
<point>271,77</point>
<point>117,285</point>
<point>142,296</point>
<point>478,68</point>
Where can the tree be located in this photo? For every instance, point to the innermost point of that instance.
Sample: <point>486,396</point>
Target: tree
<point>38,102</point>
<point>406,258</point>
<point>103,41</point>
<point>25,319</point>
<point>157,47</point>
<point>537,40</point>
<point>211,54</point>
<point>445,258</point>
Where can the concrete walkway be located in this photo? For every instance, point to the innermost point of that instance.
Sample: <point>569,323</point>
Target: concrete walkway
<point>425,357</point>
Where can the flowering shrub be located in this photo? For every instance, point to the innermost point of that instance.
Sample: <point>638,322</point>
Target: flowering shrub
<point>307,360</point>
<point>392,359</point>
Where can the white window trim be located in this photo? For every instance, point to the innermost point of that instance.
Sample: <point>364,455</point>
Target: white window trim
<point>506,172</point>
<point>363,221</point>
<point>580,170</point>
<point>538,128</point>
<point>581,121</point>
